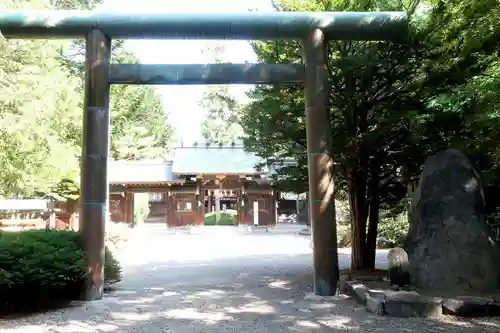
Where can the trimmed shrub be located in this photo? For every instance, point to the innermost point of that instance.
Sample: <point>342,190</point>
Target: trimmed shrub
<point>225,218</point>
<point>112,268</point>
<point>43,268</point>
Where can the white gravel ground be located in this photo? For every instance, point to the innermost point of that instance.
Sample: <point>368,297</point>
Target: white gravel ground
<point>224,280</point>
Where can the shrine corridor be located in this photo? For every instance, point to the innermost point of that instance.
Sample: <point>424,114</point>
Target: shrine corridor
<point>223,279</point>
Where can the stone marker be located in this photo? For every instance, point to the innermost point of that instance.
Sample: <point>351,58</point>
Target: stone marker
<point>450,246</point>
<point>399,274</point>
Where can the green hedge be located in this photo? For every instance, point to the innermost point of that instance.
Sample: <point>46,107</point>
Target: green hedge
<point>225,218</point>
<point>43,268</point>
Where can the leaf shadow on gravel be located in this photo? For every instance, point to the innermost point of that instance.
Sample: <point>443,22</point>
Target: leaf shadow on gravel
<point>253,294</point>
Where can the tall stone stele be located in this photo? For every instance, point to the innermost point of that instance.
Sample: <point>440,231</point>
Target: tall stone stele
<point>449,245</point>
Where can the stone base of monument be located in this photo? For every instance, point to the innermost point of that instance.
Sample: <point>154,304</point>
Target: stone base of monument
<point>382,301</point>
<point>469,306</point>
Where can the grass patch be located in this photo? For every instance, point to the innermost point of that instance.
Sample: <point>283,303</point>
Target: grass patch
<point>226,217</point>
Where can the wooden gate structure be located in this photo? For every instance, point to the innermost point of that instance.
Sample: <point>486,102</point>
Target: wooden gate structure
<point>312,29</point>
<point>198,179</point>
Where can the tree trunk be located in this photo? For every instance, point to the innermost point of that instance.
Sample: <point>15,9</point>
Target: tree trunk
<point>357,201</point>
<point>373,217</point>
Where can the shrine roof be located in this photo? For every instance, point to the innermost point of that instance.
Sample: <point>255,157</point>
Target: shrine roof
<point>186,160</point>
<point>203,159</point>
<point>141,172</point>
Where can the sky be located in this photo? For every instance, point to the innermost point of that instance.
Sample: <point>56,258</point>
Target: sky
<point>182,102</point>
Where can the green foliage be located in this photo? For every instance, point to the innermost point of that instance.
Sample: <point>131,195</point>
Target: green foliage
<point>139,124</point>
<point>67,189</point>
<point>41,110</point>
<point>40,268</point>
<point>112,268</point>
<point>392,105</point>
<point>343,235</point>
<point>225,218</point>
<point>392,231</point>
<point>40,113</point>
<point>221,124</point>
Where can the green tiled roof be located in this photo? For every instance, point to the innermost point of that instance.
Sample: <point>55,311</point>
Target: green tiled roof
<point>214,159</point>
<point>120,172</point>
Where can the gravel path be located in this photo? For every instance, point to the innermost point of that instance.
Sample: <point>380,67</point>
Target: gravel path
<point>223,281</point>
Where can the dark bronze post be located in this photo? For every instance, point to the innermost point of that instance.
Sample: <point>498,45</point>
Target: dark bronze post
<point>94,183</point>
<point>320,166</point>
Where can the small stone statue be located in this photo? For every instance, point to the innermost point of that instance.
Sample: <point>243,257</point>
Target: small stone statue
<point>399,274</point>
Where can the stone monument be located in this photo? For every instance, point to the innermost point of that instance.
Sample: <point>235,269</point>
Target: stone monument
<point>399,275</point>
<point>449,245</point>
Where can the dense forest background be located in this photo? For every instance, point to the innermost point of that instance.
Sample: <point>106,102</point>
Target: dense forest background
<point>41,110</point>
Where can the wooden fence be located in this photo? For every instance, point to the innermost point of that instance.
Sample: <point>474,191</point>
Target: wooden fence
<point>36,214</point>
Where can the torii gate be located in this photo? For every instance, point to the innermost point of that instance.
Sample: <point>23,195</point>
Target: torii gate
<point>313,29</point>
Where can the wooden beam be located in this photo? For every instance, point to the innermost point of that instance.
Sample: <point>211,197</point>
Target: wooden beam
<point>194,74</point>
<point>147,189</point>
<point>252,190</point>
<point>25,205</point>
<point>182,190</point>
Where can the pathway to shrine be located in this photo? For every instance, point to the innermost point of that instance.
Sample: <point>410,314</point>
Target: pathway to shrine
<point>223,279</point>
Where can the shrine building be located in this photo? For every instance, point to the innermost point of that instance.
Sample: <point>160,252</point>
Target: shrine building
<point>196,180</point>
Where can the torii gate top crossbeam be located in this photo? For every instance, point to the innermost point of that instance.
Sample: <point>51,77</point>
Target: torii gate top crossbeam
<point>248,25</point>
